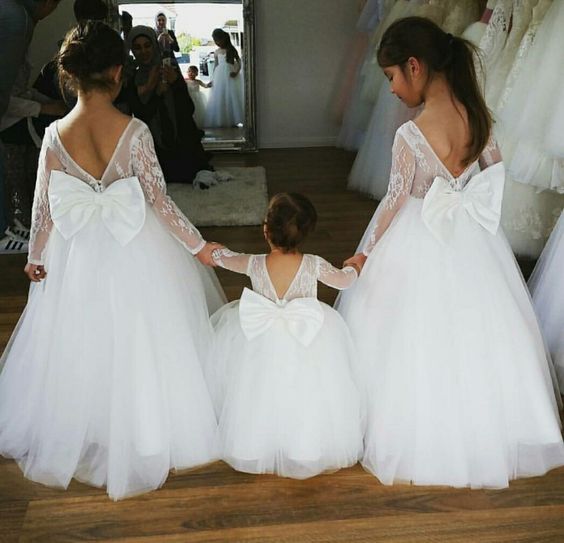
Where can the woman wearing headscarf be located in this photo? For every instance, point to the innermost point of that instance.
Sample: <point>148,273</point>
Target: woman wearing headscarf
<point>157,94</point>
<point>165,36</point>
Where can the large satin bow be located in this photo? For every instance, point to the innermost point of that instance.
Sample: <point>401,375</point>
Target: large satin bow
<point>303,317</point>
<point>481,198</point>
<point>73,203</point>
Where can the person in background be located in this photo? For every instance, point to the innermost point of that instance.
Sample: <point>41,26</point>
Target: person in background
<point>90,10</point>
<point>166,38</point>
<point>17,23</point>
<point>126,24</point>
<point>157,94</point>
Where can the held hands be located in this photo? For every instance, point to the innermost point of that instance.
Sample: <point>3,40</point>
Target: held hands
<point>35,272</point>
<point>357,261</point>
<point>205,255</point>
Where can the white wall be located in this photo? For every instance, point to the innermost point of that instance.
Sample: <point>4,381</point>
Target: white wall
<point>300,47</point>
<point>48,32</point>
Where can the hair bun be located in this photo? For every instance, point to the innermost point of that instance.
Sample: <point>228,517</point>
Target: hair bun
<point>73,59</point>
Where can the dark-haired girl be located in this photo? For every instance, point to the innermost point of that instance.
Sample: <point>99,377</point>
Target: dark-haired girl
<point>103,376</point>
<point>226,104</point>
<point>460,390</point>
<point>283,382</point>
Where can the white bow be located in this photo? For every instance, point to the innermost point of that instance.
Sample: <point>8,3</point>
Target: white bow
<point>303,317</point>
<point>73,203</point>
<point>481,198</point>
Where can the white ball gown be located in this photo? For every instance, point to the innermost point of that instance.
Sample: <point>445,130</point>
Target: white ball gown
<point>199,100</point>
<point>283,383</point>
<point>103,377</point>
<point>460,389</point>
<point>547,288</point>
<point>226,104</point>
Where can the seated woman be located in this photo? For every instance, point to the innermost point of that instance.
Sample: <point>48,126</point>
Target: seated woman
<point>157,94</point>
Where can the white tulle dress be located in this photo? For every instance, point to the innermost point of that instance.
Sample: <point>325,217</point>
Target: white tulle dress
<point>103,377</point>
<point>283,383</point>
<point>199,100</point>
<point>226,104</point>
<point>459,387</point>
<point>547,288</point>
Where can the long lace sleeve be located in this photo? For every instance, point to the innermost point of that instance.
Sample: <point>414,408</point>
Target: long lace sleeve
<point>490,155</point>
<point>41,223</point>
<point>235,262</point>
<point>334,277</point>
<point>399,188</point>
<point>146,167</point>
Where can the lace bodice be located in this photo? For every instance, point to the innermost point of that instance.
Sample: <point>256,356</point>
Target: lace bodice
<point>304,285</point>
<point>134,155</point>
<point>415,165</point>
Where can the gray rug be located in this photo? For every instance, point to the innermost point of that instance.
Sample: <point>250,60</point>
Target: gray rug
<point>240,202</point>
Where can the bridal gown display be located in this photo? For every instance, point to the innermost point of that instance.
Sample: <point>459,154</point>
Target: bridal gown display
<point>547,288</point>
<point>103,377</point>
<point>460,390</point>
<point>284,381</point>
<point>528,215</point>
<point>226,103</point>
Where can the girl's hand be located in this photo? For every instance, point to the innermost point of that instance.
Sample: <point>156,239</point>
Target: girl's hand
<point>35,272</point>
<point>357,261</point>
<point>209,85</point>
<point>205,255</point>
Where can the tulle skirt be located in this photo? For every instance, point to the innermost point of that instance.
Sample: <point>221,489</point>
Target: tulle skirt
<point>103,377</point>
<point>284,408</point>
<point>459,387</point>
<point>547,287</point>
<point>199,106</point>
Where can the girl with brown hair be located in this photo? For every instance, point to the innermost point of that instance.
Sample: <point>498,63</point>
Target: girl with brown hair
<point>460,390</point>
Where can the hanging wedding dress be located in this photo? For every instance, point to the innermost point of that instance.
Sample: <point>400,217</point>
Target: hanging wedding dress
<point>547,290</point>
<point>528,215</point>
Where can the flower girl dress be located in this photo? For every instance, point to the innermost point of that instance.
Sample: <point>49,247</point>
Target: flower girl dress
<point>225,107</point>
<point>283,382</point>
<point>103,377</point>
<point>460,389</point>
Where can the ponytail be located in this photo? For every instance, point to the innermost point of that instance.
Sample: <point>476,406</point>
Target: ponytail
<point>446,54</point>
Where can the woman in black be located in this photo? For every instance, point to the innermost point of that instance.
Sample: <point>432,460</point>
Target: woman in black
<point>157,94</point>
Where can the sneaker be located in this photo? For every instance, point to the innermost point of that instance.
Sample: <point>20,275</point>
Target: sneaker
<point>9,245</point>
<point>18,231</point>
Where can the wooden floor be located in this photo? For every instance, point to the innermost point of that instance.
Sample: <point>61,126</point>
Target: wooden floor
<point>217,504</point>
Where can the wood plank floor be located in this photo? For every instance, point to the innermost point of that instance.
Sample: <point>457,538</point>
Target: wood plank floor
<point>216,504</point>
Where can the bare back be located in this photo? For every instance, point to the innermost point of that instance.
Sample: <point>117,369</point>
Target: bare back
<point>91,137</point>
<point>282,269</point>
<point>446,129</point>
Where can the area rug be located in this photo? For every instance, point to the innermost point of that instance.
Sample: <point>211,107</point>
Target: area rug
<point>239,202</point>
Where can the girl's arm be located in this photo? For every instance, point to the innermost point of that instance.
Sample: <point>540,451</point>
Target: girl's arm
<point>399,188</point>
<point>41,223</point>
<point>235,262</point>
<point>146,167</point>
<point>334,277</point>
